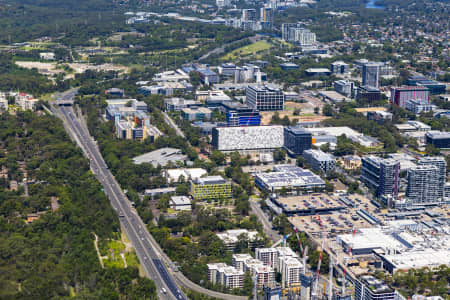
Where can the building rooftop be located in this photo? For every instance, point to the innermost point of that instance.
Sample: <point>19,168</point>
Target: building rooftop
<point>210,180</point>
<point>265,88</point>
<point>319,155</point>
<point>206,72</point>
<point>297,129</point>
<point>377,286</point>
<point>370,89</point>
<point>289,176</point>
<point>232,235</point>
<point>192,110</point>
<point>334,131</point>
<point>318,70</point>
<point>192,173</point>
<point>180,200</point>
<point>434,134</point>
<point>410,88</point>
<point>160,157</point>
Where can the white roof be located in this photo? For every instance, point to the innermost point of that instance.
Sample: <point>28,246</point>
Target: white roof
<point>231,236</point>
<point>241,256</point>
<point>371,238</point>
<point>286,251</point>
<point>180,200</point>
<point>419,259</point>
<point>291,262</point>
<point>334,131</point>
<point>194,173</point>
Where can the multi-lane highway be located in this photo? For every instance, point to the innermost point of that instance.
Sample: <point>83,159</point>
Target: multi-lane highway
<point>135,229</point>
<point>152,258</point>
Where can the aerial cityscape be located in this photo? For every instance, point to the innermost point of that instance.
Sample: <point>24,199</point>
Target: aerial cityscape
<point>223,149</point>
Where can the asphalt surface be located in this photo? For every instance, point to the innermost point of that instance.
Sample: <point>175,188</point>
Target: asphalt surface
<point>152,258</point>
<point>130,221</point>
<point>264,219</point>
<point>172,124</point>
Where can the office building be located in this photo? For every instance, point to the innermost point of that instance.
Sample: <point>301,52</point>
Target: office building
<point>433,86</point>
<point>177,104</point>
<point>115,92</point>
<point>175,175</point>
<point>248,138</point>
<point>368,93</point>
<point>319,160</point>
<point>438,139</point>
<point>196,113</point>
<point>249,15</point>
<point>265,98</point>
<point>161,157</point>
<point>318,72</point>
<point>226,69</point>
<point>288,176</point>
<point>441,164</point>
<point>296,140</point>
<point>249,73</point>
<point>208,76</point>
<point>131,130</point>
<point>402,95</point>
<point>381,174</point>
<point>379,116</point>
<point>180,203</point>
<point>419,106</point>
<point>339,67</point>
<point>288,66</point>
<point>210,188</point>
<point>231,237</point>
<point>351,162</point>
<point>371,74</point>
<point>171,76</point>
<point>344,87</point>
<point>368,287</point>
<point>423,185</point>
<point>242,115</point>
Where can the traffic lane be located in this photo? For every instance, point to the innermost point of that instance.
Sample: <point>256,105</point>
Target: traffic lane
<point>137,240</point>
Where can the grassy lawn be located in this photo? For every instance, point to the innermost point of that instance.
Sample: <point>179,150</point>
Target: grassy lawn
<point>132,260</point>
<point>114,259</point>
<point>247,50</point>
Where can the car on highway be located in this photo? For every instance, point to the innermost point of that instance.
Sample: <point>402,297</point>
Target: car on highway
<point>163,290</point>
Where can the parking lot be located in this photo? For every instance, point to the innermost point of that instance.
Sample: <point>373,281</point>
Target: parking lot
<point>336,222</point>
